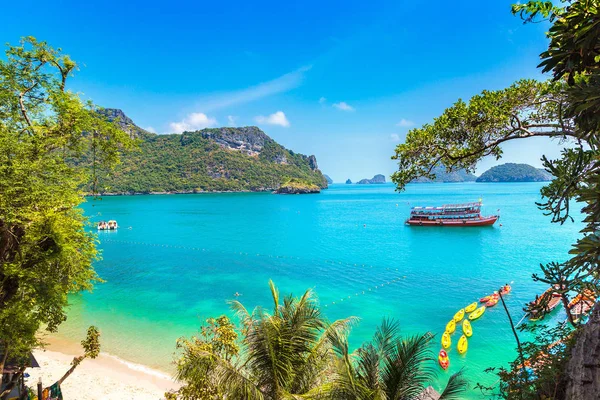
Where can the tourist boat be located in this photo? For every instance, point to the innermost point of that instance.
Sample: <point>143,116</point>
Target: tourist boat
<point>581,304</point>
<point>107,226</point>
<point>551,300</point>
<point>468,214</point>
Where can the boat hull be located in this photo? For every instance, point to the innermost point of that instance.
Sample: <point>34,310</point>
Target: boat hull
<point>483,221</point>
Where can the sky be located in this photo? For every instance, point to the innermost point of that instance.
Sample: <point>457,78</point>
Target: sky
<point>344,80</point>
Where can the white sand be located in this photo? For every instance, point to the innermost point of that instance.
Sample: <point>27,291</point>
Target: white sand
<point>106,377</point>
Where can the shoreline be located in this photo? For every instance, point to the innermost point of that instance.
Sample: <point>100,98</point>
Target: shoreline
<point>107,376</point>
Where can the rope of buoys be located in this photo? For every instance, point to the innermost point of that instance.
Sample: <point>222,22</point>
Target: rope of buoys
<point>365,292</point>
<point>170,246</point>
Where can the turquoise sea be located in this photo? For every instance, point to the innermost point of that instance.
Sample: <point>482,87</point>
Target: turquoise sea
<point>177,259</point>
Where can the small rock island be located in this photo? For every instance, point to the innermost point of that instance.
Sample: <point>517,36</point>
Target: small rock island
<point>298,186</point>
<point>377,179</point>
<point>348,182</point>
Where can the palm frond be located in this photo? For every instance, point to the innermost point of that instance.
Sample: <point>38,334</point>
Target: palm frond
<point>456,386</point>
<point>385,335</point>
<point>406,368</point>
<point>275,295</point>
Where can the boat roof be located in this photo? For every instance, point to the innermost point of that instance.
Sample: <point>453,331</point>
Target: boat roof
<point>445,206</point>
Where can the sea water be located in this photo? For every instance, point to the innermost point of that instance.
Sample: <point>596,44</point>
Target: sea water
<point>177,260</point>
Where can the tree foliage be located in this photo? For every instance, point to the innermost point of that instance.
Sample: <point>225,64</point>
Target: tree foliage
<point>567,107</point>
<point>45,252</point>
<point>389,367</point>
<point>295,353</point>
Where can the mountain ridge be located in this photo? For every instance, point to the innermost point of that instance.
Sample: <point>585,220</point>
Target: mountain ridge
<point>208,160</point>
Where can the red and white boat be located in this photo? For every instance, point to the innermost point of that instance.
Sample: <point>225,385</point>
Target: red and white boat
<point>468,214</point>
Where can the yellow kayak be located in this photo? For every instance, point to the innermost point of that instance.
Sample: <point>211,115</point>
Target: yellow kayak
<point>459,315</point>
<point>467,330</point>
<point>477,313</point>
<point>451,326</point>
<point>446,340</point>
<point>463,344</point>
<point>471,307</point>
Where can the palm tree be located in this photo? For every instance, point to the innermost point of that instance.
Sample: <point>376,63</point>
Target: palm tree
<point>389,368</point>
<point>284,354</point>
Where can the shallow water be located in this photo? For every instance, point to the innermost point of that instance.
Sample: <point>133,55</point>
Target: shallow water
<point>177,259</point>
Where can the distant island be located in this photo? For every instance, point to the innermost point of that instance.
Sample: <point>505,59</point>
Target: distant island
<point>348,182</point>
<point>375,180</point>
<point>298,186</point>
<point>328,179</point>
<point>209,160</point>
<point>512,172</point>
<point>442,175</point>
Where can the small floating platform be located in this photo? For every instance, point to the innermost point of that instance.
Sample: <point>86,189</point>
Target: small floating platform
<point>108,226</point>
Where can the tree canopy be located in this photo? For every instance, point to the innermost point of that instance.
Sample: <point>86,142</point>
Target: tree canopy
<point>45,251</point>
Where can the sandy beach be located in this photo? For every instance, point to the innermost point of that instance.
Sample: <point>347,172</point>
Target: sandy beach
<point>106,377</point>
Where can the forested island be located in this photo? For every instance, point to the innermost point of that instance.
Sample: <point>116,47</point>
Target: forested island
<point>443,175</point>
<point>219,159</point>
<point>511,172</point>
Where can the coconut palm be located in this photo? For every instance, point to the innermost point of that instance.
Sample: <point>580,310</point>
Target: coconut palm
<point>284,354</point>
<point>389,368</point>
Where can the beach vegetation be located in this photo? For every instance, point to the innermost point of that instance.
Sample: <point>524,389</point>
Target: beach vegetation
<point>294,352</point>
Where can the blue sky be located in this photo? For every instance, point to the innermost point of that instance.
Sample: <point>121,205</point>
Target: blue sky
<point>341,80</point>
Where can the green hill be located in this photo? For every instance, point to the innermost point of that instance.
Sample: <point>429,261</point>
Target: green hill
<point>220,159</point>
<point>512,172</point>
<point>442,175</point>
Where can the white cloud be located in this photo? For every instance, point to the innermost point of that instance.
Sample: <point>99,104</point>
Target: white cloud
<point>192,122</point>
<point>404,123</point>
<point>277,118</point>
<point>281,84</point>
<point>395,137</point>
<point>231,120</point>
<point>150,129</point>
<point>322,100</point>
<point>342,105</point>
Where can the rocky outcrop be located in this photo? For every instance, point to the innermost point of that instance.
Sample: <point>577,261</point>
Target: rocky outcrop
<point>583,368</point>
<point>124,122</point>
<point>298,190</point>
<point>328,179</point>
<point>296,186</point>
<point>377,179</point>
<point>249,140</point>
<point>348,182</point>
<point>312,162</point>
<point>428,393</point>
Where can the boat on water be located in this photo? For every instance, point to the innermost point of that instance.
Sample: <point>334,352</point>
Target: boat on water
<point>543,304</point>
<point>107,226</point>
<point>467,214</point>
<point>581,304</point>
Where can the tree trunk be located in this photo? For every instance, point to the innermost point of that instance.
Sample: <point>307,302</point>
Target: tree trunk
<point>76,362</point>
<point>11,385</point>
<point>512,325</point>
<point>3,360</point>
<point>568,310</point>
<point>583,367</point>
